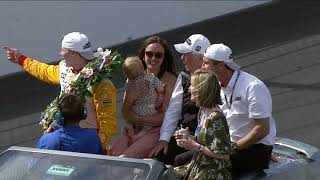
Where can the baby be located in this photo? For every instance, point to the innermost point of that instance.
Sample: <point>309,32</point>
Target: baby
<point>145,105</point>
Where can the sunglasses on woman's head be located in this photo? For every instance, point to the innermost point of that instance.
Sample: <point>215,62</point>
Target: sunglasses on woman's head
<point>157,55</point>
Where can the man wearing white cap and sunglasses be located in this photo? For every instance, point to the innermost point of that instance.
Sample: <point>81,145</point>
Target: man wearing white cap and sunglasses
<point>181,110</point>
<point>76,52</point>
<point>247,105</point>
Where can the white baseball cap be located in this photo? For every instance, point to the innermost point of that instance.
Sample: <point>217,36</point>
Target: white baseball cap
<point>196,43</point>
<point>78,42</point>
<point>222,53</point>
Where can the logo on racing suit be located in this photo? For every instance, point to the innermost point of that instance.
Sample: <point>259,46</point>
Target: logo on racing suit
<point>106,101</point>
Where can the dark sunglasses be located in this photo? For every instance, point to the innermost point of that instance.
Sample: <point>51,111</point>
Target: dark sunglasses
<point>157,55</point>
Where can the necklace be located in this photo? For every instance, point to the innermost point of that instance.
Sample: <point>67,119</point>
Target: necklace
<point>225,97</point>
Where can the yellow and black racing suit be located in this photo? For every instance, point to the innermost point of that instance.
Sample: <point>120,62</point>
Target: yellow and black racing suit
<point>104,98</point>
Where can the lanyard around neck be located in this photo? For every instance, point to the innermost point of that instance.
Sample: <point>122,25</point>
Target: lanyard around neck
<point>201,113</point>
<point>234,85</point>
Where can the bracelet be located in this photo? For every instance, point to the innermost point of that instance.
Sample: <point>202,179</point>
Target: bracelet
<point>234,146</point>
<point>200,148</point>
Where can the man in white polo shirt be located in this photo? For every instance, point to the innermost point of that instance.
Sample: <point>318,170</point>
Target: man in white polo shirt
<point>181,110</point>
<point>247,105</point>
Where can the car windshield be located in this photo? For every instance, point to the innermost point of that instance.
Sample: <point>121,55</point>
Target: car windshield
<point>23,165</point>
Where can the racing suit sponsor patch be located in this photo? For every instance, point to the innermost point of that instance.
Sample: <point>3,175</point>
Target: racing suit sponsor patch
<point>106,101</point>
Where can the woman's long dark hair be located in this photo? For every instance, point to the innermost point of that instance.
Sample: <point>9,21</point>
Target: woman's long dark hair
<point>167,63</point>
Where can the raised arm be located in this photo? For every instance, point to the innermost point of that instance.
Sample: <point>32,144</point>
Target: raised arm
<point>42,71</point>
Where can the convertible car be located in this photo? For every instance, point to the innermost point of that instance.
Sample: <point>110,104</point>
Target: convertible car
<point>291,160</point>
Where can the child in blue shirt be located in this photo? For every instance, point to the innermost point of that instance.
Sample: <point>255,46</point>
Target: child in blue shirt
<point>70,137</point>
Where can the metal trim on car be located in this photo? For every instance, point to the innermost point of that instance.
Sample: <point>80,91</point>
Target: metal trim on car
<point>308,150</point>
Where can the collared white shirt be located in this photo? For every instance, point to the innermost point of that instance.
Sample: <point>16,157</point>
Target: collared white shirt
<point>251,100</point>
<point>173,113</point>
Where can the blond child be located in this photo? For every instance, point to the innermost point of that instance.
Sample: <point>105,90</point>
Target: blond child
<point>147,105</point>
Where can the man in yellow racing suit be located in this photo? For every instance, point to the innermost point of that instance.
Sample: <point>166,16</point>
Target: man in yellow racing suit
<point>76,52</point>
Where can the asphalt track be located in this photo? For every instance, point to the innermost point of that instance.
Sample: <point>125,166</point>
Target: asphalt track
<point>278,42</point>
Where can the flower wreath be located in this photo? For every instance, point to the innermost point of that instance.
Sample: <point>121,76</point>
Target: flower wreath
<point>94,72</point>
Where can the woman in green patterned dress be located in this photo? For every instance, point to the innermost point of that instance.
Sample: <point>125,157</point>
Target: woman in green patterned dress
<point>211,142</point>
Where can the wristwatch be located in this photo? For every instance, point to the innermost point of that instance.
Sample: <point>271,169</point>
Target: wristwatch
<point>234,146</point>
